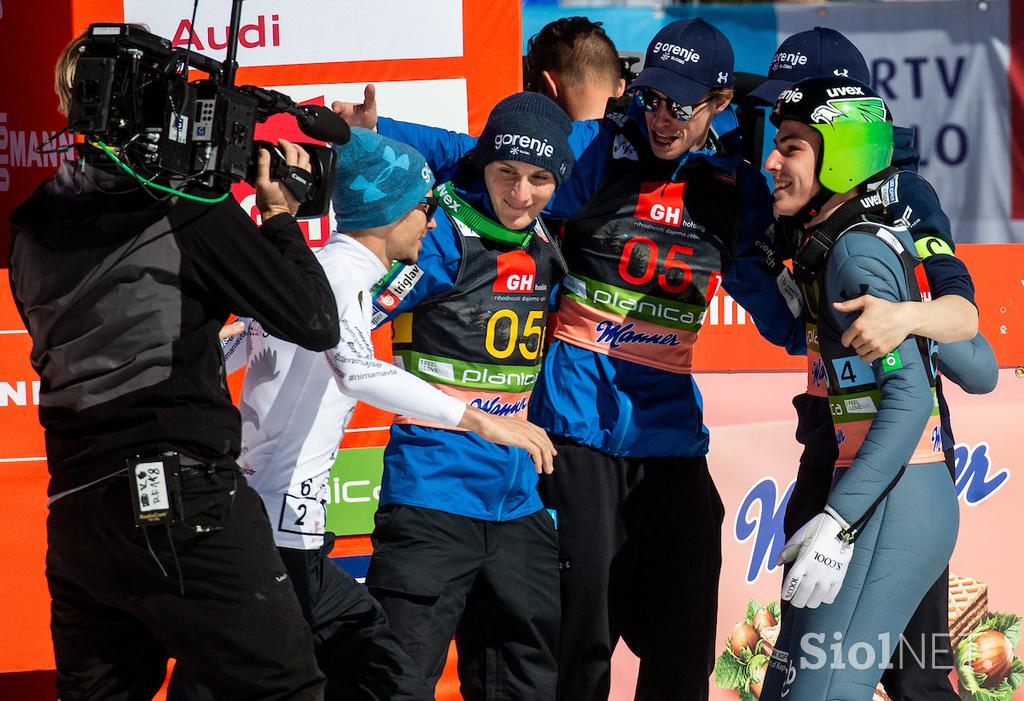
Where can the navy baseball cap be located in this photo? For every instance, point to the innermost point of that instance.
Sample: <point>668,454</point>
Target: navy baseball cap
<point>685,60</point>
<point>815,53</point>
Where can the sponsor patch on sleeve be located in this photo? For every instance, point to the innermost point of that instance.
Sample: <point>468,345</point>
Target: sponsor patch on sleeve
<point>891,361</point>
<point>790,292</point>
<point>890,190</point>
<point>392,295</point>
<point>931,246</point>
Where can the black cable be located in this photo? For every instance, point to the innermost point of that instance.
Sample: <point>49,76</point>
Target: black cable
<point>174,554</point>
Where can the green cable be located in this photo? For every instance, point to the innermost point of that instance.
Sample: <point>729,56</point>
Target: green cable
<point>148,183</point>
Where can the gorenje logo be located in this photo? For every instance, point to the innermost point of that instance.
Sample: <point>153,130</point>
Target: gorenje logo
<point>791,95</point>
<point>520,143</point>
<point>250,36</point>
<point>788,60</point>
<point>661,202</point>
<point>683,54</point>
<point>517,272</point>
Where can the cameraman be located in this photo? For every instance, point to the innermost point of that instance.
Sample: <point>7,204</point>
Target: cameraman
<point>123,292</point>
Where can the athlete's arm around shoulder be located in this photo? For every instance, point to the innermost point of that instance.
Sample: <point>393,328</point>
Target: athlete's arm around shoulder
<point>861,264</point>
<point>756,277</point>
<point>911,202</point>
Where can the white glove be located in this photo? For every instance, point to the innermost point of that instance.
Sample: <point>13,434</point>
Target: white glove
<point>820,560</point>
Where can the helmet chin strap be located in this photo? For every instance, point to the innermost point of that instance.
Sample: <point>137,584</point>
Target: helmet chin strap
<point>813,207</point>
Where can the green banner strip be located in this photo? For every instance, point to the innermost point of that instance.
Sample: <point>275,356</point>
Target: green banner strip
<point>460,373</point>
<point>634,305</point>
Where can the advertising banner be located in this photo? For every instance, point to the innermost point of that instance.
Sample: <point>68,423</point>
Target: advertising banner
<point>952,69</point>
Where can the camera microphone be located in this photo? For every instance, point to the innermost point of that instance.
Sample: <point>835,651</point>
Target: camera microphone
<point>318,122</point>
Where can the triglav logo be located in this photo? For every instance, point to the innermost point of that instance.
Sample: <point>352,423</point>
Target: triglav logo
<point>519,143</point>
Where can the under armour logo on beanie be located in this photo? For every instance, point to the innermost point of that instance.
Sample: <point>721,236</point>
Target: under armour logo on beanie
<point>377,181</point>
<point>530,128</point>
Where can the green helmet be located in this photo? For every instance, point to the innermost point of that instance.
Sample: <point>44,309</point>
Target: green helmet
<point>854,122</point>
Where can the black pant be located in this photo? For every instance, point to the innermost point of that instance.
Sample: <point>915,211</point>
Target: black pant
<point>927,631</point>
<point>126,598</point>
<point>494,585</point>
<point>641,552</point>
<point>355,647</point>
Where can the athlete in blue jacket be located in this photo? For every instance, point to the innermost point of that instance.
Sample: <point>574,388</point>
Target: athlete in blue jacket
<point>462,544</point>
<point>655,221</point>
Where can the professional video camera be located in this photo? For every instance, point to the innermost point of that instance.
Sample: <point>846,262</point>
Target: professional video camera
<point>133,100</point>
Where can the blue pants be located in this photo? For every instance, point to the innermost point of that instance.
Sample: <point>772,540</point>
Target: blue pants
<point>838,651</point>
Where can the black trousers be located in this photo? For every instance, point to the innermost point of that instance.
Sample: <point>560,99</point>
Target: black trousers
<point>641,552</point>
<point>920,670</point>
<point>126,598</point>
<point>493,585</point>
<point>355,648</point>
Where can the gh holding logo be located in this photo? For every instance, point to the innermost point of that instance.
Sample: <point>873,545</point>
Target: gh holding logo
<point>661,203</point>
<point>517,273</point>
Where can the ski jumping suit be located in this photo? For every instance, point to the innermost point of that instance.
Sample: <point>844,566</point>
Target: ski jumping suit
<point>908,200</point>
<point>639,518</point>
<point>887,429</point>
<point>462,543</point>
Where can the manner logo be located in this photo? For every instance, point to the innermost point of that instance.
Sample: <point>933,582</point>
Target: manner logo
<point>517,272</point>
<point>661,203</point>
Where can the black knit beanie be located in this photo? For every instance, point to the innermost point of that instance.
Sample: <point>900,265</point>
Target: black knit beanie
<point>527,127</point>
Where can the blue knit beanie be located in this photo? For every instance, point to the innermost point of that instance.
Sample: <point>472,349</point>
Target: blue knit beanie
<point>377,181</point>
<point>527,127</point>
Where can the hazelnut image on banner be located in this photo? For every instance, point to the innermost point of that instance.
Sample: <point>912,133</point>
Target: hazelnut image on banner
<point>743,636</point>
<point>757,679</point>
<point>995,655</point>
<point>763,619</point>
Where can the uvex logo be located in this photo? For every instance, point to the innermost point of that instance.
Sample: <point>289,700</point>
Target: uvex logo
<point>250,36</point>
<point>517,272</point>
<point>661,202</point>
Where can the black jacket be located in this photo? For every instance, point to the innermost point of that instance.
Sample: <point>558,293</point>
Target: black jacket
<point>123,297</point>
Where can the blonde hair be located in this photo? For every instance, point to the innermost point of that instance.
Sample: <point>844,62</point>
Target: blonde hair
<point>64,72</point>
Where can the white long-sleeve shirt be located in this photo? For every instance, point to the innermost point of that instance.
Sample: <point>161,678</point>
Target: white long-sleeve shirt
<point>296,404</point>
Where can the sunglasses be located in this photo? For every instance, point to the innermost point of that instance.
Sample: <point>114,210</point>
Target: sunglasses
<point>428,205</point>
<point>651,101</point>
